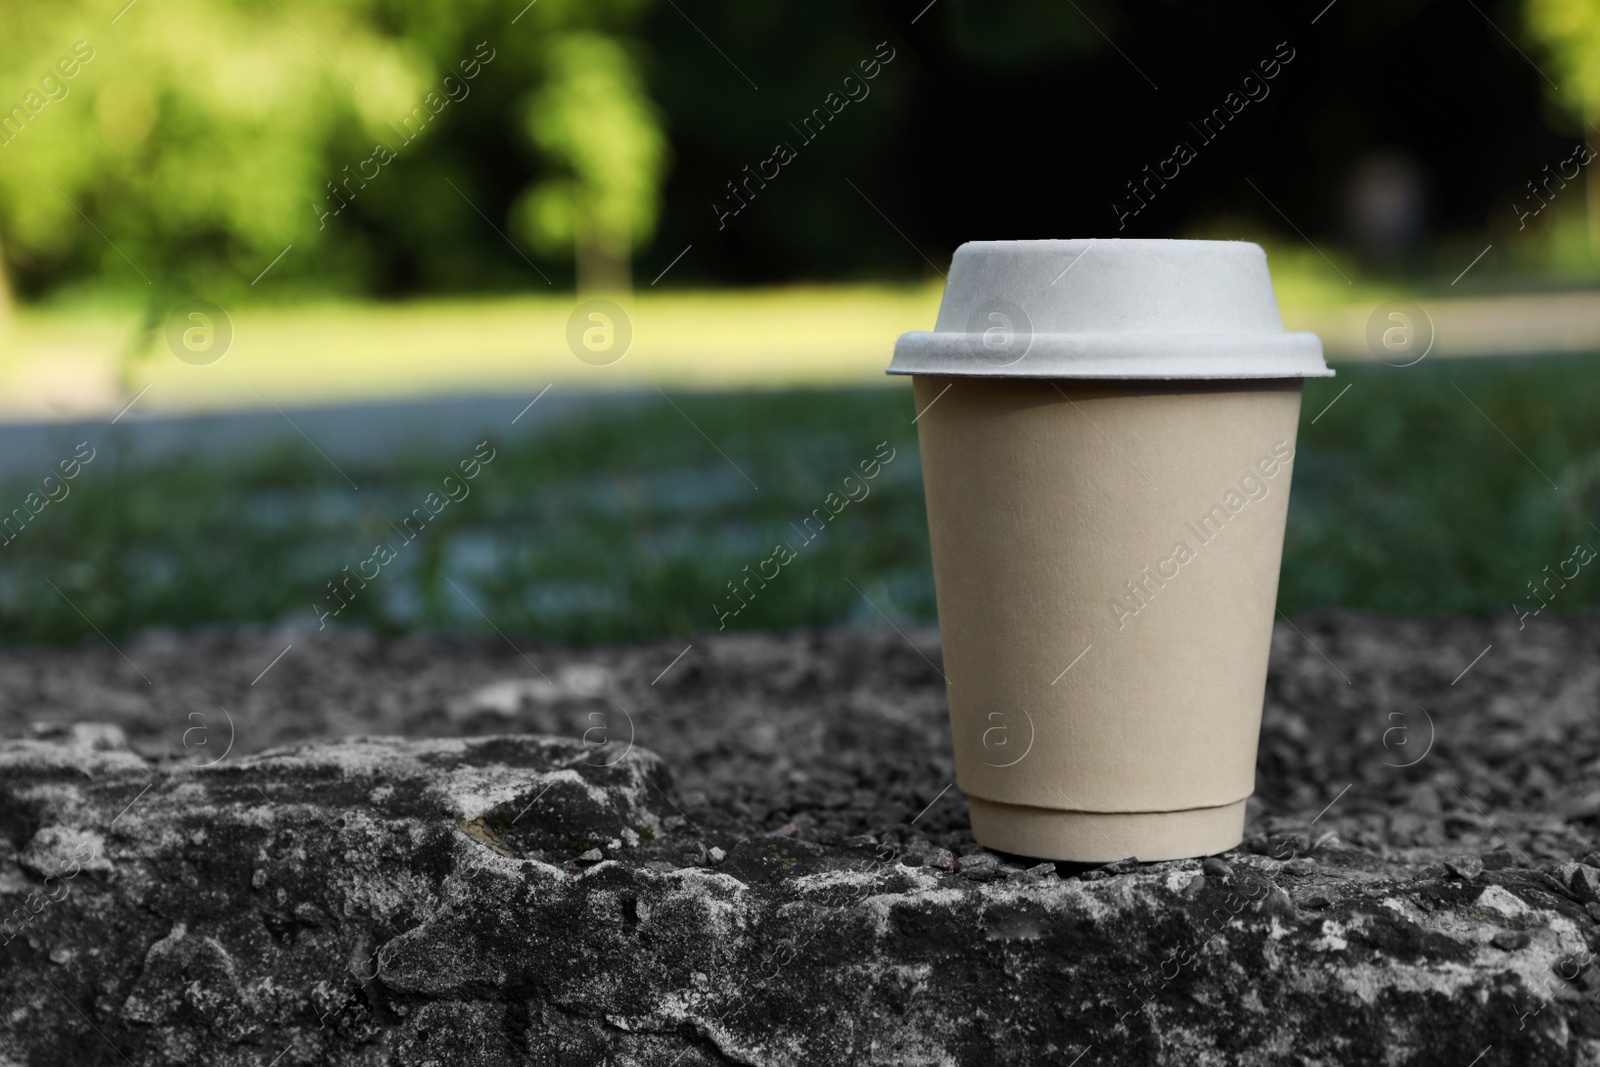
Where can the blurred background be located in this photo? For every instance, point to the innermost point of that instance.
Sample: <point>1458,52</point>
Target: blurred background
<point>271,270</point>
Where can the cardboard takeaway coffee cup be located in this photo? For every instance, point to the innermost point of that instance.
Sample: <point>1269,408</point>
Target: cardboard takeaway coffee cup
<point>1107,432</point>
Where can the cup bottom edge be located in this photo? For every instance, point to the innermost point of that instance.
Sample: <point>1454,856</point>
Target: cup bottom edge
<point>1100,837</point>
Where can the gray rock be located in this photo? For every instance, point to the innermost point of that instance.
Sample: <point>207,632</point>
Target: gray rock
<point>1464,867</point>
<point>423,902</point>
<point>444,926</point>
<point>1585,884</point>
<point>1278,905</point>
<point>1127,865</point>
<point>1500,859</point>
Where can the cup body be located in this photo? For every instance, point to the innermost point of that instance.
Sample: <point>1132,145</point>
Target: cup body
<point>1106,559</point>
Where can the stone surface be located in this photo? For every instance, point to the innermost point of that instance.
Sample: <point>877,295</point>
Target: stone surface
<point>751,858</point>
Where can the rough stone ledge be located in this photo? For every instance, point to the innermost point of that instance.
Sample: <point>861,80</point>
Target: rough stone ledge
<point>1419,883</point>
<point>512,900</point>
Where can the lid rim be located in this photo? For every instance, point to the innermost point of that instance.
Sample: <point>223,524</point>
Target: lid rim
<point>1191,356</point>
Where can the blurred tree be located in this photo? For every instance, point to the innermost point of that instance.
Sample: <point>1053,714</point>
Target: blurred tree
<point>203,137</point>
<point>181,147</point>
<point>593,118</point>
<point>195,140</point>
<point>1570,32</point>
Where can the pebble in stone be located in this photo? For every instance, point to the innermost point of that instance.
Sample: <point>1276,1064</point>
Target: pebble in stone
<point>1287,846</point>
<point>1216,868</point>
<point>1464,867</point>
<point>1509,940</point>
<point>591,856</point>
<point>1317,899</point>
<point>1279,904</point>
<point>1585,884</point>
<point>981,867</point>
<point>1499,859</point>
<point>939,858</point>
<point>717,855</point>
<point>1114,869</point>
<point>1036,873</point>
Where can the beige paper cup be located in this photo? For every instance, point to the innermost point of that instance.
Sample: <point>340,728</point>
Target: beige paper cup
<point>1106,545</point>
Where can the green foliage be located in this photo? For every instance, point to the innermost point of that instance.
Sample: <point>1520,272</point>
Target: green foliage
<point>1570,33</point>
<point>197,139</point>
<point>592,115</point>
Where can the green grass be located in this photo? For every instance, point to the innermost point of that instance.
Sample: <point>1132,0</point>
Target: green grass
<point>1405,499</point>
<point>1408,499</point>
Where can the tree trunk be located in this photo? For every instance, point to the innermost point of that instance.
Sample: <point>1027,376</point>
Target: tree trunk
<point>6,302</point>
<point>1592,203</point>
<point>603,261</point>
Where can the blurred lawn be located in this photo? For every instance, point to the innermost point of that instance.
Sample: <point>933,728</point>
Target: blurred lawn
<point>89,357</point>
<point>70,359</point>
<point>1406,499</point>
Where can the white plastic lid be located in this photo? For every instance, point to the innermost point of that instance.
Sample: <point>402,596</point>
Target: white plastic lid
<point>1110,309</point>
